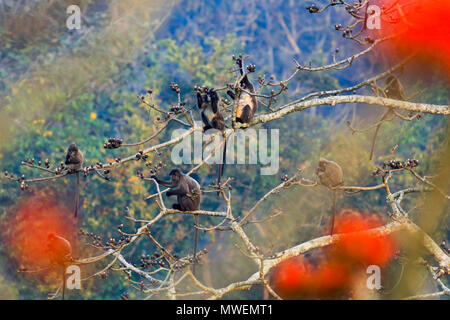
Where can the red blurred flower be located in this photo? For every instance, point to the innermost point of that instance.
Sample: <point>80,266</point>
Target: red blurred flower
<point>30,226</point>
<point>292,276</point>
<point>423,27</point>
<point>335,275</point>
<point>364,248</point>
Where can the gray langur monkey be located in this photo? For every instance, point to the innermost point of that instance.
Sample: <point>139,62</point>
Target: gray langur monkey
<point>247,105</point>
<point>208,103</point>
<point>74,161</point>
<point>330,175</point>
<point>188,192</point>
<point>60,253</point>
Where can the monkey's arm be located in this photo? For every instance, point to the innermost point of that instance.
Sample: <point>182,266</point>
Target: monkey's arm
<point>74,158</point>
<point>199,101</point>
<point>231,94</point>
<point>176,192</point>
<point>240,65</point>
<point>246,84</point>
<point>214,101</point>
<point>67,158</point>
<point>162,182</point>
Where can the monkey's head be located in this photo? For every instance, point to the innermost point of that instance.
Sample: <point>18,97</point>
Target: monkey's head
<point>175,175</point>
<point>329,173</point>
<point>322,165</point>
<point>391,79</point>
<point>73,148</point>
<point>393,89</point>
<point>51,236</point>
<point>205,94</point>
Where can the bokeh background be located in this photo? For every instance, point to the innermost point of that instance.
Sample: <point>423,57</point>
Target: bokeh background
<point>59,86</point>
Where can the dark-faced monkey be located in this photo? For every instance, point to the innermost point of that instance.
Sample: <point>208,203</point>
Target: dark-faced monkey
<point>74,161</point>
<point>60,253</point>
<point>247,105</point>
<point>392,90</point>
<point>330,175</point>
<point>208,104</point>
<point>188,193</point>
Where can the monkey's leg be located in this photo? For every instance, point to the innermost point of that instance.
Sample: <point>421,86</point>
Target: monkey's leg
<point>231,94</point>
<point>176,206</point>
<point>195,242</point>
<point>334,213</point>
<point>245,115</point>
<point>77,194</point>
<point>206,124</point>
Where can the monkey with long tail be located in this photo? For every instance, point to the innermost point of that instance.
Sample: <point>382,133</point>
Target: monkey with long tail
<point>330,174</point>
<point>60,253</point>
<point>74,161</point>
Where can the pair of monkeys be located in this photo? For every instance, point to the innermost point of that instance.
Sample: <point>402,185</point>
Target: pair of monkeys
<point>212,117</point>
<point>208,102</point>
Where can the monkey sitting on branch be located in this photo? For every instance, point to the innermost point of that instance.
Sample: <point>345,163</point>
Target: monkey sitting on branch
<point>208,103</point>
<point>74,161</point>
<point>60,253</point>
<point>392,90</point>
<point>188,193</point>
<point>330,175</point>
<point>247,105</point>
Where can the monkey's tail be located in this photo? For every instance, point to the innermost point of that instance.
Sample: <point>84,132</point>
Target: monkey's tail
<point>195,242</point>
<point>222,165</point>
<point>77,194</point>
<point>334,213</point>
<point>64,281</point>
<point>374,139</point>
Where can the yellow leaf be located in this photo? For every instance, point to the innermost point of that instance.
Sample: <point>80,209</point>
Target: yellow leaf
<point>134,178</point>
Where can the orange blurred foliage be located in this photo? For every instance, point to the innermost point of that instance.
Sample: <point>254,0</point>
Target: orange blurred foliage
<point>30,226</point>
<point>339,269</point>
<point>422,26</point>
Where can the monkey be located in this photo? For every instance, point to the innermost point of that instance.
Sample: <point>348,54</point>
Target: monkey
<point>393,90</point>
<point>60,252</point>
<point>74,161</point>
<point>330,175</point>
<point>188,193</point>
<point>208,103</point>
<point>247,105</point>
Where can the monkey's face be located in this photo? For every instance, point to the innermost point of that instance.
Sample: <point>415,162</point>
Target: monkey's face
<point>322,165</point>
<point>206,100</point>
<point>175,176</point>
<point>73,148</point>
